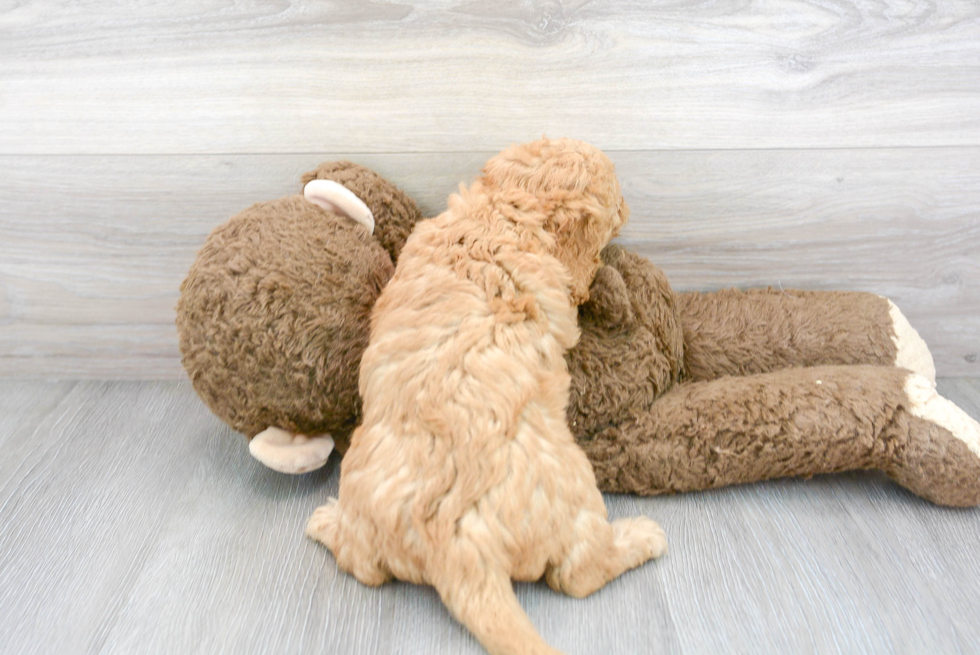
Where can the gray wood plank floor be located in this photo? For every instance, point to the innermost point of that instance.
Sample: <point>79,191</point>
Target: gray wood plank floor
<point>132,521</point>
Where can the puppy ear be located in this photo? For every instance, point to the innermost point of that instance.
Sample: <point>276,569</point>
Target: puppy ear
<point>609,305</point>
<point>336,198</point>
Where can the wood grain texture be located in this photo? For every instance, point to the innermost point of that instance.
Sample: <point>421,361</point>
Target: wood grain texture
<point>133,521</point>
<point>211,76</point>
<point>93,249</point>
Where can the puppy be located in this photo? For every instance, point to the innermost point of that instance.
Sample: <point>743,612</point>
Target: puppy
<point>463,474</point>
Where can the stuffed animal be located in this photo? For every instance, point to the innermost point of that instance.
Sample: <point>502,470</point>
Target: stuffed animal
<point>274,314</point>
<point>670,392</point>
<point>678,392</point>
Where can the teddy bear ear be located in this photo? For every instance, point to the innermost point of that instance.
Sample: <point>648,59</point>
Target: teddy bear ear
<point>335,197</point>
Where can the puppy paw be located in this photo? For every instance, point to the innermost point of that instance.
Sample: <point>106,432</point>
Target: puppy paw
<point>640,539</point>
<point>354,552</point>
<point>926,403</point>
<point>322,526</point>
<point>290,453</point>
<point>913,353</point>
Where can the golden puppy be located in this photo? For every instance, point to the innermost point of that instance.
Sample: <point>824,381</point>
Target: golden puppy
<point>463,474</point>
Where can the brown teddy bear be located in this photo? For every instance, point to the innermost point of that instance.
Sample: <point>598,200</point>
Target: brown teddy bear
<point>670,392</point>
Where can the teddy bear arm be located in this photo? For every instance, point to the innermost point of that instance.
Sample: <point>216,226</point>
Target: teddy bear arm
<point>735,332</point>
<point>796,422</point>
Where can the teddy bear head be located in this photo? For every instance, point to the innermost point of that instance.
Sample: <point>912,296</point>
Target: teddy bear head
<point>274,314</point>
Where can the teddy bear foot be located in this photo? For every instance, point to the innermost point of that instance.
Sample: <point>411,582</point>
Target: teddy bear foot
<point>913,353</point>
<point>287,452</point>
<point>941,461</point>
<point>926,403</point>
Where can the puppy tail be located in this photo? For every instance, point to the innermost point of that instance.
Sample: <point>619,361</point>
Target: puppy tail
<point>485,603</point>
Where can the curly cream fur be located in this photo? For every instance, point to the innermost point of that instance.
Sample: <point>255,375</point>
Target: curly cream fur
<point>464,474</point>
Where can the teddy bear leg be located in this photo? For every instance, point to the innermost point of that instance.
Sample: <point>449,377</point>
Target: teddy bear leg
<point>288,452</point>
<point>742,333</point>
<point>942,459</point>
<point>796,422</point>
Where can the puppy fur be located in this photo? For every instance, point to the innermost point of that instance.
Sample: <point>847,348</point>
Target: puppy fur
<point>464,474</point>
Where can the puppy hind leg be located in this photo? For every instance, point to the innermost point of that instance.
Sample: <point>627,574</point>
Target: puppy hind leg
<point>600,551</point>
<point>350,541</point>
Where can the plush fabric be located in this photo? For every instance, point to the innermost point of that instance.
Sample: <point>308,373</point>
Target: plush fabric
<point>274,313</point>
<point>680,392</point>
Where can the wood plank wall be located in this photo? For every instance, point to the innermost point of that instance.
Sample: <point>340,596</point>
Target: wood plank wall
<point>808,143</point>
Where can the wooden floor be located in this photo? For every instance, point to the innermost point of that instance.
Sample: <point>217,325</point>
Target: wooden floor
<point>134,522</point>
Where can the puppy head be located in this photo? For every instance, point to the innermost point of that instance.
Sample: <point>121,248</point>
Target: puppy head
<point>576,187</point>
